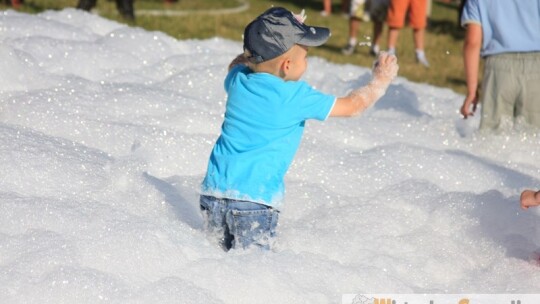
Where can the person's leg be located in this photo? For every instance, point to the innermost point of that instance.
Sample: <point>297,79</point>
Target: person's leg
<point>354,24</point>
<point>378,13</point>
<point>499,93</point>
<point>327,8</point>
<point>125,8</point>
<point>86,5</point>
<point>393,35</point>
<point>418,36</point>
<point>528,105</point>
<point>397,11</point>
<point>213,211</point>
<point>251,224</point>
<point>356,12</point>
<point>418,21</point>
<point>377,37</point>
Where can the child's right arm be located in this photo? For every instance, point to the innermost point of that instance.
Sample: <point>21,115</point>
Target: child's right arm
<point>384,71</point>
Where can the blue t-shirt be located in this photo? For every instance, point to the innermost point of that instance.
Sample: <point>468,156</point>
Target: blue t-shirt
<point>264,121</point>
<point>507,25</point>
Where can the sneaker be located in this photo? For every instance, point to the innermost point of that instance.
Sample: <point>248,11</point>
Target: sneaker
<point>349,49</point>
<point>421,58</point>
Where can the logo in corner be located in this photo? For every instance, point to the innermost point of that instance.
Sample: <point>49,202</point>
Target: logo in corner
<point>362,299</point>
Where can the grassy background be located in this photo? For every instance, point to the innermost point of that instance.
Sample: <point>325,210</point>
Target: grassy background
<point>444,39</point>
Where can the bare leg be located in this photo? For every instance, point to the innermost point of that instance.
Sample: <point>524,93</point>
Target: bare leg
<point>327,7</point>
<point>377,36</point>
<point>393,35</point>
<point>354,24</point>
<point>377,32</point>
<point>418,35</point>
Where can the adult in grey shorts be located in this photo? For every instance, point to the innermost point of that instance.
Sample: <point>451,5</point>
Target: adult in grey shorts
<point>506,34</point>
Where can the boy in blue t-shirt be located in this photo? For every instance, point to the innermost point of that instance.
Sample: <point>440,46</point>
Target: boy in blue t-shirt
<point>266,110</point>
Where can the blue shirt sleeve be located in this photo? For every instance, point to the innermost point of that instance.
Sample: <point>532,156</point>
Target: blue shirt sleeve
<point>309,103</point>
<point>231,76</point>
<point>471,13</point>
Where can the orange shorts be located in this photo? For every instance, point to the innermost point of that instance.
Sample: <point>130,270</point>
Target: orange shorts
<point>398,11</point>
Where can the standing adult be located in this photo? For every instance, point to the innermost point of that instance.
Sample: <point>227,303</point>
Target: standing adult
<point>417,13</point>
<point>506,33</point>
<point>125,7</point>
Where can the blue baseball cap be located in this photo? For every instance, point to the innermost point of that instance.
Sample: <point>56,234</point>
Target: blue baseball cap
<point>276,31</point>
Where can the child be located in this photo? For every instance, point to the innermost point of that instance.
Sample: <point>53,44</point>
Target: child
<point>266,110</point>
<point>529,198</point>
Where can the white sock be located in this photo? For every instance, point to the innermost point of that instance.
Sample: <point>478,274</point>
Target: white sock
<point>352,41</point>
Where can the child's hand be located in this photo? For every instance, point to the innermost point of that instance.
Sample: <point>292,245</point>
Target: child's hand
<point>529,198</point>
<point>384,71</point>
<point>385,68</point>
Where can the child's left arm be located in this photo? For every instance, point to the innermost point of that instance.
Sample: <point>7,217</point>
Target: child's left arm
<point>240,59</point>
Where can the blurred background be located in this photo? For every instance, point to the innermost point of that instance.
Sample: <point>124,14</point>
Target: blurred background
<point>203,19</point>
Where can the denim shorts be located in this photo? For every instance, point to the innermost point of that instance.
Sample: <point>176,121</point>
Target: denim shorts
<point>239,224</point>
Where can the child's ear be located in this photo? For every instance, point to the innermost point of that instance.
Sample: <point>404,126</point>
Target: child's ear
<point>284,68</point>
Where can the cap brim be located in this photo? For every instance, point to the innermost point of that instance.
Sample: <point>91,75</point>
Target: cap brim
<point>315,36</point>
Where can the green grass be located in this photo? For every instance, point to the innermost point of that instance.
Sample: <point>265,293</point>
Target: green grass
<point>444,39</point>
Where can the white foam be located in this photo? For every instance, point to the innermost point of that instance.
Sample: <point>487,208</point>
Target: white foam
<point>105,132</point>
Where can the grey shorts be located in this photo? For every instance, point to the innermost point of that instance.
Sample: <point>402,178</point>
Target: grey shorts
<point>511,90</point>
